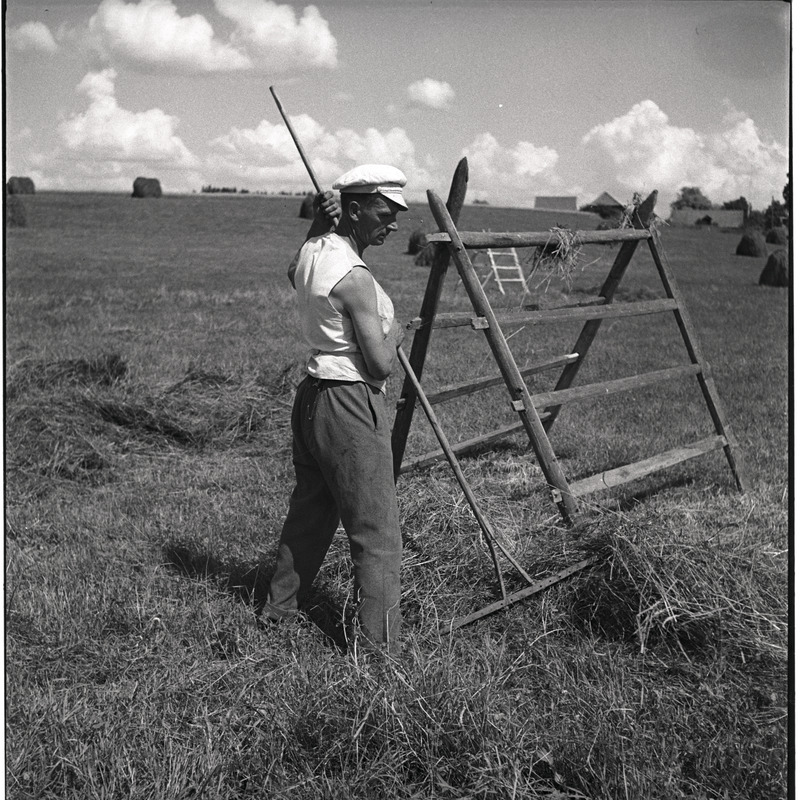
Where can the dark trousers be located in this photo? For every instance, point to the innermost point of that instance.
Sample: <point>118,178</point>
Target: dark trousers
<point>343,467</point>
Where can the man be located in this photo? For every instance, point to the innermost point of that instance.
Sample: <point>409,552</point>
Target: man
<point>341,445</point>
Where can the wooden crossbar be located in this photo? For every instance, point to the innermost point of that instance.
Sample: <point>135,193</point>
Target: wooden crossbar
<point>640,469</point>
<point>461,447</point>
<point>569,313</point>
<point>573,393</point>
<point>468,387</point>
<point>480,240</point>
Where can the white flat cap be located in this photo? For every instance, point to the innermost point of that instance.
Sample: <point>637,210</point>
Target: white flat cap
<point>374,179</point>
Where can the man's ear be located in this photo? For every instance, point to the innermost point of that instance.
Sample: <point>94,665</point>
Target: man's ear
<point>353,209</point>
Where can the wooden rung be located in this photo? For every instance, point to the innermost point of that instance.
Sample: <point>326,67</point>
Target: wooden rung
<point>465,446</point>
<point>600,311</point>
<point>560,396</point>
<point>583,311</point>
<point>468,387</point>
<point>478,240</point>
<point>640,469</point>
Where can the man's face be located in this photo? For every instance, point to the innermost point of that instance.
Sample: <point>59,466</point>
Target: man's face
<point>377,219</point>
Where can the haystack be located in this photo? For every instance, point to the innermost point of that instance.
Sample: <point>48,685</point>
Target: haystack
<point>18,185</point>
<point>777,236</point>
<point>307,207</point>
<point>416,242</point>
<point>425,256</point>
<point>776,271</point>
<point>146,187</point>
<point>751,244</point>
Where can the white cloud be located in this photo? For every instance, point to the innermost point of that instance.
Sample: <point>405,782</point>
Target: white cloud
<point>430,93</point>
<point>106,132</point>
<point>266,157</point>
<point>265,36</point>
<point>32,36</point>
<point>153,33</point>
<point>641,150</point>
<point>275,39</point>
<point>511,176</point>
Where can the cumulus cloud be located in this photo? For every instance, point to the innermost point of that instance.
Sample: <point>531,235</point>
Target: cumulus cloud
<point>153,33</point>
<point>266,156</point>
<point>512,175</point>
<point>275,39</point>
<point>430,93</point>
<point>32,36</point>
<point>265,36</point>
<point>645,151</point>
<point>106,132</point>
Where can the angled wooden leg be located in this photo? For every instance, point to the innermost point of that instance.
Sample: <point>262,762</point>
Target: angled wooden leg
<point>430,302</point>
<point>641,220</point>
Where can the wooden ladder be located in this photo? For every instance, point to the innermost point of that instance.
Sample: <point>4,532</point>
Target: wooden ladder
<point>503,263</point>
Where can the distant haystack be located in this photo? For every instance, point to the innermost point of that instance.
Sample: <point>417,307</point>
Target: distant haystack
<point>425,256</point>
<point>146,187</point>
<point>776,271</point>
<point>777,235</point>
<point>416,242</point>
<point>17,185</point>
<point>307,207</point>
<point>751,244</point>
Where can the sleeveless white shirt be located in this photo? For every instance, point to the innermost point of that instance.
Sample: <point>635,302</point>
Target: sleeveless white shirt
<point>334,352</point>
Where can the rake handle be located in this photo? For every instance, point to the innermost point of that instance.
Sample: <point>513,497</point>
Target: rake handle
<point>297,143</point>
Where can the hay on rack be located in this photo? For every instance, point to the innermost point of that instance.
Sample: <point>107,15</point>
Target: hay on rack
<point>559,258</point>
<point>776,270</point>
<point>752,244</point>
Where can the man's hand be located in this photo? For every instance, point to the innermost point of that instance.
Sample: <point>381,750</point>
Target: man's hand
<point>396,334</point>
<point>327,209</point>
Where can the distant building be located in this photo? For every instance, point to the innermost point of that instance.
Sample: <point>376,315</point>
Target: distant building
<point>605,206</point>
<point>556,203</point>
<point>722,218</point>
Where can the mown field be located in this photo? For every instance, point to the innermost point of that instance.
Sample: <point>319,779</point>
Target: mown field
<point>151,358</point>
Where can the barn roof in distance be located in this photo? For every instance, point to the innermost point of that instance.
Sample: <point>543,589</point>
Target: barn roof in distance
<point>605,200</point>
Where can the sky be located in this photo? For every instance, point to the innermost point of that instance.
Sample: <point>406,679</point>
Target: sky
<point>544,97</point>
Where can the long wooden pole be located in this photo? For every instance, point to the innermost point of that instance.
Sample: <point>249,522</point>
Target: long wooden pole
<point>296,140</point>
<point>521,399</point>
<point>486,529</point>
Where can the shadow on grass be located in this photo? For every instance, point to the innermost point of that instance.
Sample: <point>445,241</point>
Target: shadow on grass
<point>249,584</point>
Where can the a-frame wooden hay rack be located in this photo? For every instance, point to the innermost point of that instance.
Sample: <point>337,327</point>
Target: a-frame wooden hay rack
<point>537,413</point>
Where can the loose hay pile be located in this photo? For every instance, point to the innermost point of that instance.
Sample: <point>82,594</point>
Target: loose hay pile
<point>75,419</point>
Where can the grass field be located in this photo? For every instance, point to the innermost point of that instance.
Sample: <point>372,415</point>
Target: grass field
<point>152,354</point>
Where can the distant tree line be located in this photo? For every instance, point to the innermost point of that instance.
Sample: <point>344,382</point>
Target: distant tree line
<point>233,190</point>
<point>775,215</point>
